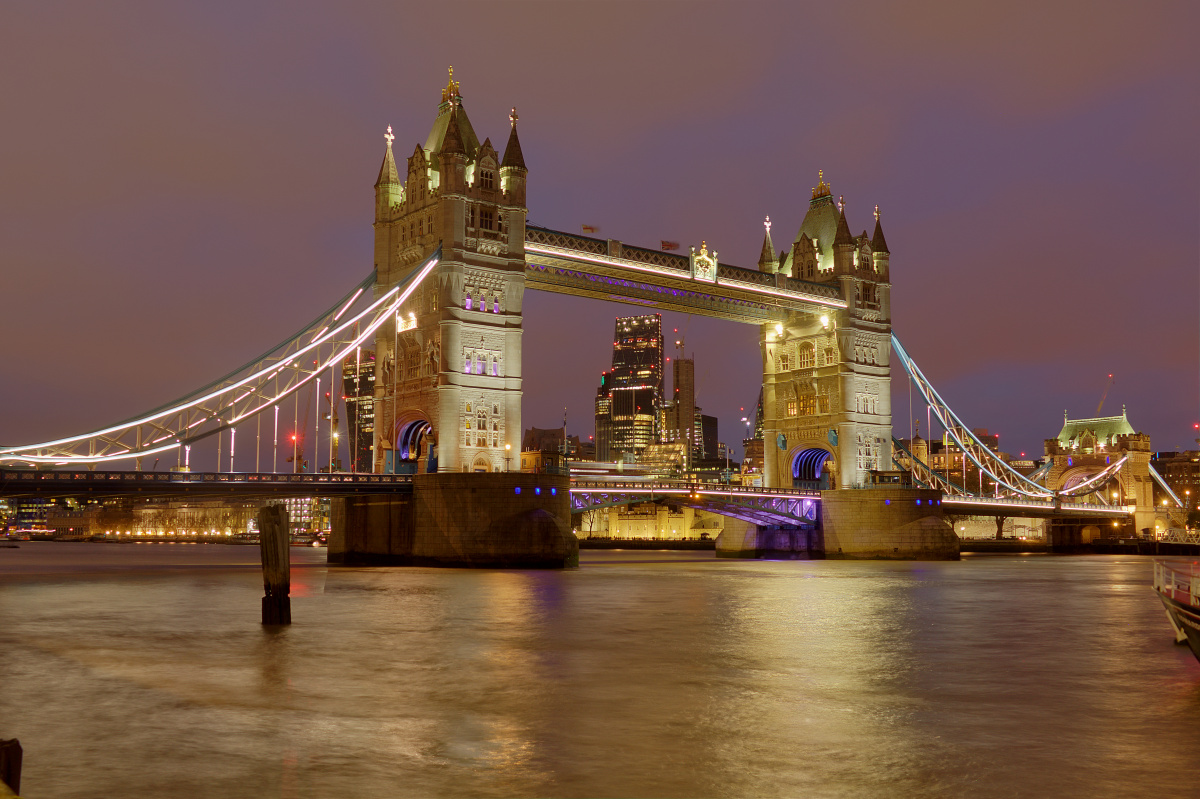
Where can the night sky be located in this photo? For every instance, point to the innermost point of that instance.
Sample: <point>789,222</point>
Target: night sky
<point>182,186</point>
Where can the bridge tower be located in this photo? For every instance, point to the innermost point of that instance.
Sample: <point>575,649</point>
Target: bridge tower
<point>827,377</point>
<point>448,381</point>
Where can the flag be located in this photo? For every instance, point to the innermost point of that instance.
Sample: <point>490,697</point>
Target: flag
<point>589,228</point>
<point>669,245</point>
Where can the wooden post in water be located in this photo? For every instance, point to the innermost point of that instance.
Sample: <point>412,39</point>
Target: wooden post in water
<point>273,543</point>
<point>10,765</point>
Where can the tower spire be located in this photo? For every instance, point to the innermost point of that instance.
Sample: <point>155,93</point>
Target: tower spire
<point>512,152</point>
<point>878,242</point>
<point>387,170</point>
<point>766,260</point>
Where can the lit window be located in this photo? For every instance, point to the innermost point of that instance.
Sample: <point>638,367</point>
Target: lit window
<point>791,408</point>
<point>467,304</point>
<point>496,367</point>
<point>806,356</point>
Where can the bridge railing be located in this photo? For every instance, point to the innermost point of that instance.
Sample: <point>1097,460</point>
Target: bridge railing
<point>690,488</point>
<point>199,477</point>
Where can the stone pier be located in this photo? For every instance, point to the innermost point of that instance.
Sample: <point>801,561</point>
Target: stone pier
<point>474,520</point>
<point>869,523</point>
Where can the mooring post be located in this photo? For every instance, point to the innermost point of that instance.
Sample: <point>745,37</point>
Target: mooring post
<point>273,543</point>
<point>10,765</point>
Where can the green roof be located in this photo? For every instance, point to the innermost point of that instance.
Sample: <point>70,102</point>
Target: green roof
<point>821,223</point>
<point>1105,428</point>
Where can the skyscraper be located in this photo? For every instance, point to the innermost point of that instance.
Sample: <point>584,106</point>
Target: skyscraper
<point>629,394</point>
<point>358,383</point>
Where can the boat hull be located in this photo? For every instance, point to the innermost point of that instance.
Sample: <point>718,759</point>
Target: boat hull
<point>1186,622</point>
<point>1177,584</point>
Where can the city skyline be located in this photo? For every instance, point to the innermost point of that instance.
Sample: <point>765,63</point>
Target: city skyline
<point>167,218</point>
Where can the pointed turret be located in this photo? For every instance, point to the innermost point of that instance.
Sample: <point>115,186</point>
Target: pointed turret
<point>512,151</point>
<point>766,259</point>
<point>879,251</point>
<point>387,171</point>
<point>452,158</point>
<point>843,245</point>
<point>878,242</point>
<point>843,231</point>
<point>388,191</point>
<point>512,167</point>
<point>452,142</point>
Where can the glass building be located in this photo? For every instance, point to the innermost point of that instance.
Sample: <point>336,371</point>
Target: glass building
<point>631,393</point>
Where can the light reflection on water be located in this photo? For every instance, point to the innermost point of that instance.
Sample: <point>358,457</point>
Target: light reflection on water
<point>143,671</point>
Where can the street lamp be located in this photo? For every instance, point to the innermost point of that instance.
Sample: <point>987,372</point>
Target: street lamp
<point>507,456</point>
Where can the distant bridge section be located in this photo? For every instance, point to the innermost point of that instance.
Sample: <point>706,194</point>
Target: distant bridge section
<point>19,483</point>
<point>764,506</point>
<point>601,269</point>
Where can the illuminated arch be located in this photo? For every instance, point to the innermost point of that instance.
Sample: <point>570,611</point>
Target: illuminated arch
<point>808,468</point>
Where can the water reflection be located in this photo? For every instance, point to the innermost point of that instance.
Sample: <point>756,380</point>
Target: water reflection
<point>146,673</point>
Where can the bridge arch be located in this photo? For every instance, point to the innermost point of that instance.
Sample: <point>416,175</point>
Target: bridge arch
<point>413,437</point>
<point>813,467</point>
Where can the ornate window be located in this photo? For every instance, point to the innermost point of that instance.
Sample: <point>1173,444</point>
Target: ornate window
<point>830,356</point>
<point>808,405</point>
<point>791,407</point>
<point>806,355</point>
<point>485,219</point>
<point>487,178</point>
<point>785,362</point>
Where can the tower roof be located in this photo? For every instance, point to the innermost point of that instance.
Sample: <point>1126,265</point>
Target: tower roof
<point>387,170</point>
<point>878,242</point>
<point>821,222</point>
<point>512,152</point>
<point>452,105</point>
<point>1105,428</point>
<point>768,248</point>
<point>843,230</point>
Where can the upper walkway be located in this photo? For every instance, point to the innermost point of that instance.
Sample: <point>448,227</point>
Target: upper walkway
<point>604,269</point>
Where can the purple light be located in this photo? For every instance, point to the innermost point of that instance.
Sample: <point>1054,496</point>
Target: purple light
<point>888,502</point>
<point>537,491</point>
<point>468,305</point>
<point>517,490</point>
<point>554,492</point>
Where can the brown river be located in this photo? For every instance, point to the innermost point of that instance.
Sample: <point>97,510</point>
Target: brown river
<point>141,670</point>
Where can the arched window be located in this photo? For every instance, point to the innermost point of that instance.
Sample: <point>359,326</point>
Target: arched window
<point>487,178</point>
<point>467,368</point>
<point>495,367</point>
<point>806,356</point>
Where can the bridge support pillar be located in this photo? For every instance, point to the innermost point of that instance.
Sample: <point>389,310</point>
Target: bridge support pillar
<point>886,523</point>
<point>460,519</point>
<point>742,539</point>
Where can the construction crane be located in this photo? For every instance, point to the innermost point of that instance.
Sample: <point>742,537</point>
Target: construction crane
<point>1104,396</point>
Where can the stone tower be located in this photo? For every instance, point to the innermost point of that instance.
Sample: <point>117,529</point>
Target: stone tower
<point>448,380</point>
<point>827,377</point>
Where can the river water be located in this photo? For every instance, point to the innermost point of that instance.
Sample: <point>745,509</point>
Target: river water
<point>142,670</point>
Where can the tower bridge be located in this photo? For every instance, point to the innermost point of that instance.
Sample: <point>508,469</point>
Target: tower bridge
<point>442,311</point>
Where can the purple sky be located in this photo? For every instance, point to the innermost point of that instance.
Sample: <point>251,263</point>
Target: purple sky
<point>183,186</point>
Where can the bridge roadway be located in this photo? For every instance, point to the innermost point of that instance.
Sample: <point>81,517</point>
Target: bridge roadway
<point>759,505</point>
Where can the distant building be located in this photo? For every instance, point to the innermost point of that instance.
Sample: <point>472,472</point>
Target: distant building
<point>358,385</point>
<point>629,395</point>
